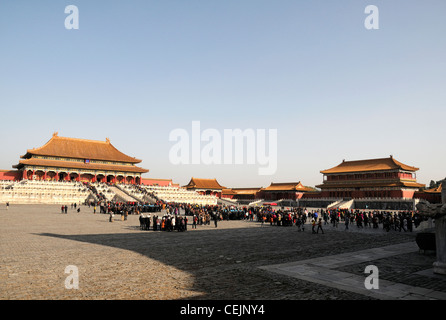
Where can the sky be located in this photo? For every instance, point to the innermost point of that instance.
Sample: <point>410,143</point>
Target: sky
<point>134,71</point>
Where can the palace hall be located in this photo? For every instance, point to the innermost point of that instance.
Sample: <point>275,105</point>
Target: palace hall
<point>371,178</point>
<point>72,159</point>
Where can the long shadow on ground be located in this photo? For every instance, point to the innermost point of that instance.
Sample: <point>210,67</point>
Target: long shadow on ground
<point>234,254</point>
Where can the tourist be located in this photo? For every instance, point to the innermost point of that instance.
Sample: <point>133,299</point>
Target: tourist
<point>147,222</point>
<point>319,226</point>
<point>158,223</point>
<point>325,217</point>
<point>313,225</point>
<point>194,222</point>
<point>215,219</point>
<point>155,223</point>
<point>409,224</point>
<point>359,220</point>
<point>386,224</point>
<point>375,222</point>
<point>404,224</point>
<point>299,224</point>
<point>141,222</point>
<point>366,220</point>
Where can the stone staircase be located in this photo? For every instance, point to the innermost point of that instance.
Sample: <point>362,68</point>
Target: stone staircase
<point>342,204</point>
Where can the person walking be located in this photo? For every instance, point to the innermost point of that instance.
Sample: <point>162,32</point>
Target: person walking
<point>155,223</point>
<point>215,219</point>
<point>404,224</point>
<point>299,224</point>
<point>319,226</point>
<point>409,223</point>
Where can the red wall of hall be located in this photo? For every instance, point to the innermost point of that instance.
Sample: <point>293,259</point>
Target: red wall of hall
<point>10,175</point>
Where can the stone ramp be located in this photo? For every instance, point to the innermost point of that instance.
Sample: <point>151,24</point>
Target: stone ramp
<point>122,195</point>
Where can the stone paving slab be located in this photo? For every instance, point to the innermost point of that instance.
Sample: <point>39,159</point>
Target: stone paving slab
<point>321,271</point>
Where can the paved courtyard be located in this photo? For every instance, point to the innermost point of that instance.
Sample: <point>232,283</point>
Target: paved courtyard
<point>238,260</point>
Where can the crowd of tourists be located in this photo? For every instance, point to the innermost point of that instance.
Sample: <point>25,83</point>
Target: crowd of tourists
<point>374,219</point>
<point>387,220</point>
<point>177,215</point>
<point>167,222</point>
<point>296,216</point>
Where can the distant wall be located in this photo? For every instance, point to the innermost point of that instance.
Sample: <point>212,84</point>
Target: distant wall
<point>431,197</point>
<point>158,182</point>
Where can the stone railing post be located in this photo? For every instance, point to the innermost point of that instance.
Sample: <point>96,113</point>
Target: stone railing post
<point>440,236</point>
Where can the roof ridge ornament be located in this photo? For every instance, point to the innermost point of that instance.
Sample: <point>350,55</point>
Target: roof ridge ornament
<point>107,140</point>
<point>55,134</point>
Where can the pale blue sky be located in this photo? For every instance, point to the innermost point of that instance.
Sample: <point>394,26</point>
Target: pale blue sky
<point>136,70</point>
